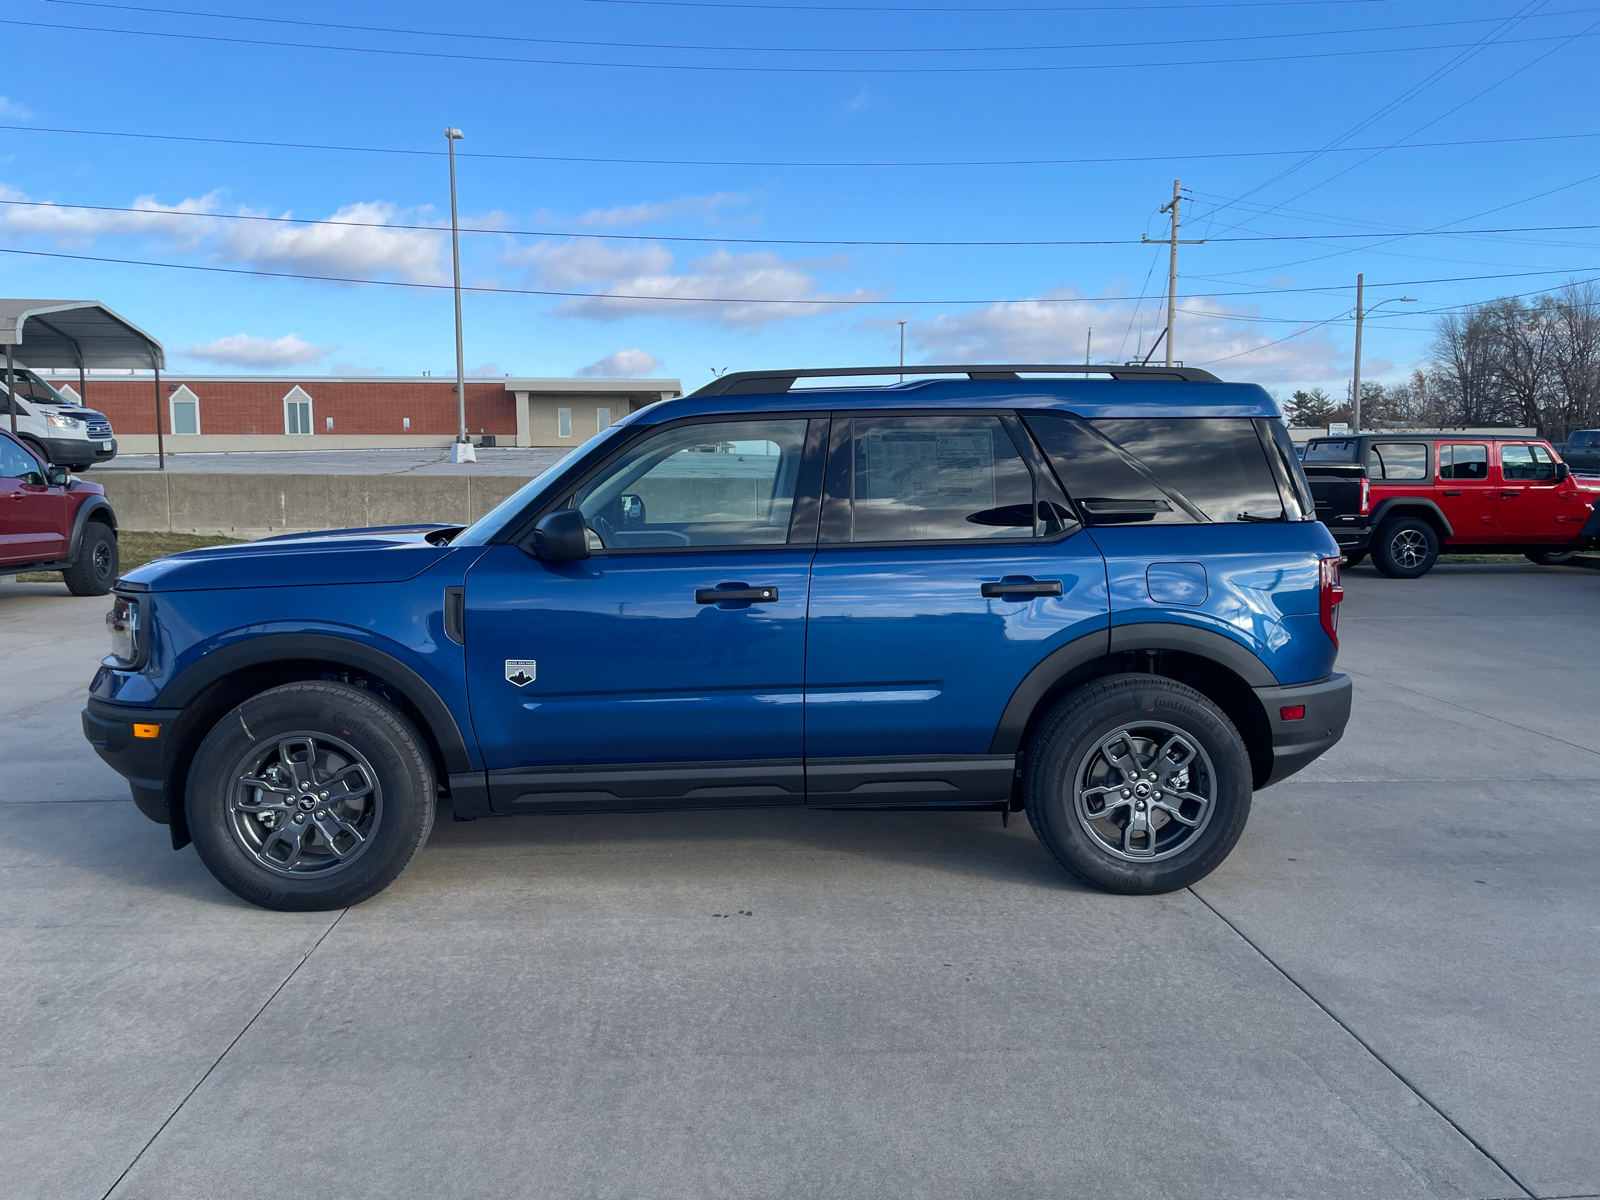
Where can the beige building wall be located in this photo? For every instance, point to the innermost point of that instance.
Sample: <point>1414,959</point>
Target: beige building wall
<point>539,416</point>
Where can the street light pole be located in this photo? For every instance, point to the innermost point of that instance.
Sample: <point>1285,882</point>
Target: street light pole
<point>902,350</point>
<point>1355,394</point>
<point>461,450</point>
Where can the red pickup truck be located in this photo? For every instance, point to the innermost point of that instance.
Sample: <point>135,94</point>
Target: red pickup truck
<point>1407,498</point>
<point>51,520</point>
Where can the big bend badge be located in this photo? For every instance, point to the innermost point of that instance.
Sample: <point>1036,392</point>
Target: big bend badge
<point>521,671</point>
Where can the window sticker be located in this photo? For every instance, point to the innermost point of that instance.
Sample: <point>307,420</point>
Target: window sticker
<point>930,467</point>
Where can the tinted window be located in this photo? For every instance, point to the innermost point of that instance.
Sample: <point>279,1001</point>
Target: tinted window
<point>723,483</point>
<point>1106,485</point>
<point>17,463</point>
<point>1398,460</point>
<point>1217,463</point>
<point>937,479</point>
<point>1343,450</point>
<point>1524,462</point>
<point>1464,462</point>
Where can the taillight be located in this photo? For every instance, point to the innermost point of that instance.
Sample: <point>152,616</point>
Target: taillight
<point>1329,595</point>
<point>1366,498</point>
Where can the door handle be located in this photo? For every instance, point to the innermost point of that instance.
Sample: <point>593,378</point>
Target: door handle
<point>750,595</point>
<point>1450,493</point>
<point>1021,587</point>
<point>1508,495</point>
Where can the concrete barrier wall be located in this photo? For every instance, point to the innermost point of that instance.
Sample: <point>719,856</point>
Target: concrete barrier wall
<point>253,506</point>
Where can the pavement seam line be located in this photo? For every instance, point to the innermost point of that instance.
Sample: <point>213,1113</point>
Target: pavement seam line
<point>1474,712</point>
<point>305,958</point>
<point>1365,1045</point>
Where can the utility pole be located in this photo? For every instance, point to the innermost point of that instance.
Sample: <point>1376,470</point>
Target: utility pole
<point>1172,264</point>
<point>1088,346</point>
<point>1361,313</point>
<point>902,351</point>
<point>461,449</point>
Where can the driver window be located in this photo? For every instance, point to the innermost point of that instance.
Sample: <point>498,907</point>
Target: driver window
<point>1522,462</point>
<point>17,463</point>
<point>721,483</point>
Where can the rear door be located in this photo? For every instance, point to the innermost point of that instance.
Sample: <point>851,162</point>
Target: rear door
<point>947,568</point>
<point>623,680</point>
<point>1465,493</point>
<point>1531,503</point>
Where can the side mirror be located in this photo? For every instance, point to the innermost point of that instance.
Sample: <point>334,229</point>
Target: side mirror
<point>1562,471</point>
<point>561,535</point>
<point>59,476</point>
<point>632,509</point>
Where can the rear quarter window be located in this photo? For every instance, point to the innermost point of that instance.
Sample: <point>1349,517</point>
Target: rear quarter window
<point>1342,450</point>
<point>1398,461</point>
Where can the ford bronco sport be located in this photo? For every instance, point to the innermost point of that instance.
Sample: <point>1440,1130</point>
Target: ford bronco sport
<point>1105,603</point>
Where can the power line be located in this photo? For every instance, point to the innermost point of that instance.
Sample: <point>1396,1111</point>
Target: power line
<point>180,214</point>
<point>1028,47</point>
<point>741,69</point>
<point>702,162</point>
<point>813,302</point>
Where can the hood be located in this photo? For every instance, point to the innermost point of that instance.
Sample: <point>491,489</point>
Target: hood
<point>383,554</point>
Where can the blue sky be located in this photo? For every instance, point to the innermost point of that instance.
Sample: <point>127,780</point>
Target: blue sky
<point>826,82</point>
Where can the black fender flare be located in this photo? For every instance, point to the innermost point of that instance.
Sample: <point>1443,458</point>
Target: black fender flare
<point>1396,504</point>
<point>86,511</point>
<point>1050,670</point>
<point>336,651</point>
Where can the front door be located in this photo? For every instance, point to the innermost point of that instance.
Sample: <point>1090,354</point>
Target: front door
<point>33,514</point>
<point>1532,504</point>
<point>622,680</point>
<point>1466,494</point>
<point>938,585</point>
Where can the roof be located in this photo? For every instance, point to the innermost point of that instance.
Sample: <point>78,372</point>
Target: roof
<point>1144,397</point>
<point>742,383</point>
<point>1449,435</point>
<point>75,333</point>
<point>538,385</point>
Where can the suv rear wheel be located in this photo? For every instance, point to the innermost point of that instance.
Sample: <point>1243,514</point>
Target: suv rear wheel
<point>310,796</point>
<point>1138,784</point>
<point>1405,548</point>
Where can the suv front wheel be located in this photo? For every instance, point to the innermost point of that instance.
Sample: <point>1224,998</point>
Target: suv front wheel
<point>310,796</point>
<point>1405,548</point>
<point>1138,784</point>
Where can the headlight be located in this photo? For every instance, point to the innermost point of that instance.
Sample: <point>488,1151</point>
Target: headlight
<point>60,421</point>
<point>122,622</point>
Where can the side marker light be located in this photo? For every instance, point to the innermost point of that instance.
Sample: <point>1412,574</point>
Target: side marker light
<point>146,731</point>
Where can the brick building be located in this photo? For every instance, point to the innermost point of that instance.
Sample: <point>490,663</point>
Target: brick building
<point>284,412</point>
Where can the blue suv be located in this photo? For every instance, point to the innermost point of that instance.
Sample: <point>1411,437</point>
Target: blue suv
<point>1107,603</point>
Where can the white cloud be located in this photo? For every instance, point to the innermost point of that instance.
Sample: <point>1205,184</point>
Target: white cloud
<point>708,208</point>
<point>487,371</point>
<point>12,111</point>
<point>623,364</point>
<point>242,350</point>
<point>357,243</point>
<point>643,282</point>
<point>1230,341</point>
<point>858,102</point>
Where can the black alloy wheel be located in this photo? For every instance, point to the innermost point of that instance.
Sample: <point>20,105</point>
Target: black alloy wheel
<point>310,796</point>
<point>97,564</point>
<point>1405,548</point>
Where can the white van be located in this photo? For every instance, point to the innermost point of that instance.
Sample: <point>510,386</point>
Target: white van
<point>59,431</point>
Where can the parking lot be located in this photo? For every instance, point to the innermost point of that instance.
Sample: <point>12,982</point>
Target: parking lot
<point>1388,991</point>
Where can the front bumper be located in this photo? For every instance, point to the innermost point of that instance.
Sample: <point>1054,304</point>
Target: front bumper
<point>139,760</point>
<point>78,452</point>
<point>1296,744</point>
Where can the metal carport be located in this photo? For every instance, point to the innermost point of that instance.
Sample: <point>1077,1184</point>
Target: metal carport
<point>82,334</point>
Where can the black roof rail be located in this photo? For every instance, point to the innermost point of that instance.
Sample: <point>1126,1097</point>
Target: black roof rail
<point>745,383</point>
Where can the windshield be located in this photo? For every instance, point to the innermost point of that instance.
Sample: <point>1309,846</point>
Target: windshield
<point>491,523</point>
<point>30,387</point>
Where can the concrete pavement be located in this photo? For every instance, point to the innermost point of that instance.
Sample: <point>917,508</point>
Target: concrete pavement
<point>1387,991</point>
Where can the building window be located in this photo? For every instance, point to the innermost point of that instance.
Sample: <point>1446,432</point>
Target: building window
<point>563,422</point>
<point>185,410</point>
<point>602,419</point>
<point>297,411</point>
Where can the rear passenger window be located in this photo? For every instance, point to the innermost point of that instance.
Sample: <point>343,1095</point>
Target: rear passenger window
<point>1109,487</point>
<point>937,479</point>
<point>1217,463</point>
<point>1464,462</point>
<point>1398,460</point>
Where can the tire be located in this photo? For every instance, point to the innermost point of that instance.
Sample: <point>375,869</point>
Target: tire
<point>37,448</point>
<point>1551,558</point>
<point>1355,558</point>
<point>336,854</point>
<point>79,468</point>
<point>1075,751</point>
<point>97,564</point>
<point>1405,548</point>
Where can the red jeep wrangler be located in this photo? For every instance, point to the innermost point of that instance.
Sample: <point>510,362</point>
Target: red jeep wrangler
<point>53,521</point>
<point>1407,498</point>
